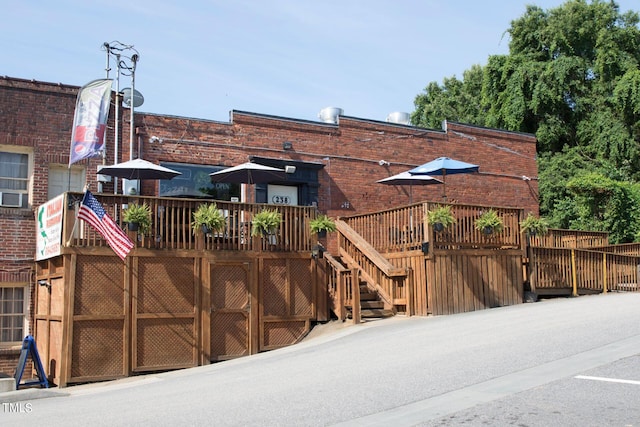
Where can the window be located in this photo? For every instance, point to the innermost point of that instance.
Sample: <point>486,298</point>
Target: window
<point>12,314</point>
<point>14,179</point>
<point>195,182</point>
<point>63,178</point>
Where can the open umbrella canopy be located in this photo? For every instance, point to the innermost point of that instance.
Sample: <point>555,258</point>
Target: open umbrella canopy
<point>249,173</point>
<point>405,178</point>
<point>444,166</point>
<point>138,169</point>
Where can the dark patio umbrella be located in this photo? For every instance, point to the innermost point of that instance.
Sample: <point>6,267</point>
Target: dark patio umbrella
<point>405,178</point>
<point>138,169</point>
<point>444,166</point>
<point>249,173</point>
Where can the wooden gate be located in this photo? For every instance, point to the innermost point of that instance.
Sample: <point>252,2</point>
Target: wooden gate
<point>164,307</point>
<point>230,303</point>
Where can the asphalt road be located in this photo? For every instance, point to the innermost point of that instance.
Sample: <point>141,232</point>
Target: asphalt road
<point>562,362</point>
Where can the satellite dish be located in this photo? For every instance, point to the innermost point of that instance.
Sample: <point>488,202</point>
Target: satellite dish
<point>138,99</point>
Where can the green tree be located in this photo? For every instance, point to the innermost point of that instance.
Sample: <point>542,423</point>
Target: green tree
<point>572,77</point>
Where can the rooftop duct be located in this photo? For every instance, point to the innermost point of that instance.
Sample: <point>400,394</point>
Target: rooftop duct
<point>399,118</point>
<point>330,114</point>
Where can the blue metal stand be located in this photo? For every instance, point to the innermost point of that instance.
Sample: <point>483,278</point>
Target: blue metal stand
<point>29,349</point>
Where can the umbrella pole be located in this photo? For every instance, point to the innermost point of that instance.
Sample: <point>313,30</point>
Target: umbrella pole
<point>444,186</point>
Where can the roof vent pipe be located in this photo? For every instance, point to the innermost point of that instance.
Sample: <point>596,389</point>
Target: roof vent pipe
<point>330,114</point>
<point>399,118</point>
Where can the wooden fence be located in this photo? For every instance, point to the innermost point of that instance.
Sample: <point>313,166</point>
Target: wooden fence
<point>559,238</point>
<point>570,271</point>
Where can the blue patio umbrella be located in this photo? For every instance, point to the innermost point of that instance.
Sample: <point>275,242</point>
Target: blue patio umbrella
<point>443,166</point>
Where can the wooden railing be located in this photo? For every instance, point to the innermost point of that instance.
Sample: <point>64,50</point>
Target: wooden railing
<point>559,238</point>
<point>171,225</point>
<point>463,234</point>
<point>580,270</point>
<point>632,249</point>
<point>391,230</point>
<point>405,228</point>
<point>343,286</point>
<point>379,274</point>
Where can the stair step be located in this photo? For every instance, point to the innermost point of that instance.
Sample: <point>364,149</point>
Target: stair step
<point>368,296</point>
<point>372,304</point>
<point>369,313</point>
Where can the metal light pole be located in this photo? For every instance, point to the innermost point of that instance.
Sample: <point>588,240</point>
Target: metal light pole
<point>134,61</point>
<point>125,66</point>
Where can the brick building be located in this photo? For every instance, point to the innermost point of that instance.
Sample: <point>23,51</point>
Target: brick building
<point>335,166</point>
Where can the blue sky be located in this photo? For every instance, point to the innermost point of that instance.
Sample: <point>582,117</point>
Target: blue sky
<point>287,58</point>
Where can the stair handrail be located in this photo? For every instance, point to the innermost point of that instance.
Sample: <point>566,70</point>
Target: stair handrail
<point>385,287</point>
<point>336,282</point>
<point>380,261</point>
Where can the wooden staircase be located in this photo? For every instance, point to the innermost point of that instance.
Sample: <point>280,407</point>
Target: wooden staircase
<point>371,307</point>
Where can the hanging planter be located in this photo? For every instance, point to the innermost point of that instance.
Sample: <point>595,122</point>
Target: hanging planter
<point>440,217</point>
<point>138,217</point>
<point>532,226</point>
<point>321,225</point>
<point>489,222</point>
<point>265,222</point>
<point>208,218</point>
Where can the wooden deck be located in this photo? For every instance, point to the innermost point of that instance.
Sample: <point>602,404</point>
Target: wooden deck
<point>179,299</point>
<point>183,299</point>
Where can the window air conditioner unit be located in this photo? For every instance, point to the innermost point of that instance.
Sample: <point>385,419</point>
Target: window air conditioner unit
<point>11,200</point>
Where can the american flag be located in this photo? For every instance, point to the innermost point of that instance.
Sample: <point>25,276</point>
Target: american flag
<point>92,212</point>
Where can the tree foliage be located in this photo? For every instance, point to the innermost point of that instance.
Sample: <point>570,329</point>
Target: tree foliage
<point>572,78</point>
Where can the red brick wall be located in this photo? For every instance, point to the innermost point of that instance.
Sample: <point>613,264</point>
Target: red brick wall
<point>350,153</point>
<point>9,361</point>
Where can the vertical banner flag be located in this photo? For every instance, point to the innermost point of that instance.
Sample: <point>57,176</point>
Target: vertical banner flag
<point>92,212</point>
<point>90,120</point>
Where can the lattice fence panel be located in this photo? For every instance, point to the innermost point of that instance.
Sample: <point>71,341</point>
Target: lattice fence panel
<point>99,286</point>
<point>166,285</point>
<point>229,286</point>
<point>57,297</point>
<point>274,281</point>
<point>42,303</point>
<point>302,287</point>
<point>165,343</point>
<point>97,348</point>
<point>229,335</point>
<point>55,350</point>
<point>42,337</point>
<point>283,333</point>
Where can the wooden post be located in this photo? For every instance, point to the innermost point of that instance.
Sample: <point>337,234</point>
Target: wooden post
<point>573,273</point>
<point>604,272</point>
<point>410,285</point>
<point>200,245</point>
<point>355,297</point>
<point>340,289</point>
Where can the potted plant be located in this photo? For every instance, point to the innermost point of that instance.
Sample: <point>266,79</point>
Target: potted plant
<point>207,217</point>
<point>265,222</point>
<point>138,217</point>
<point>532,225</point>
<point>440,217</point>
<point>489,222</point>
<point>321,224</point>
